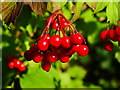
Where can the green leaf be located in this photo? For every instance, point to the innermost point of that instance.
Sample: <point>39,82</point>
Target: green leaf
<point>112,12</point>
<point>77,11</point>
<point>38,78</point>
<point>92,4</point>
<point>53,6</point>
<point>100,6</point>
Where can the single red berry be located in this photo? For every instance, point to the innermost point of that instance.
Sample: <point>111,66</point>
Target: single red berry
<point>22,67</point>
<point>104,35</point>
<point>112,34</point>
<point>47,36</point>
<point>28,55</point>
<point>64,59</point>
<point>75,48</point>
<point>118,30</point>
<point>48,20</point>
<point>83,50</point>
<point>76,38</point>
<point>65,42</point>
<point>55,40</point>
<point>34,48</point>
<point>46,66</point>
<point>43,44</point>
<point>52,57</point>
<point>108,46</point>
<point>115,38</point>
<point>37,57</point>
<point>11,65</point>
<point>55,25</point>
<point>63,22</point>
<point>16,63</point>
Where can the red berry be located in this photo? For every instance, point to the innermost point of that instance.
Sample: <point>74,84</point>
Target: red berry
<point>104,35</point>
<point>11,65</point>
<point>37,57</point>
<point>34,48</point>
<point>112,34</point>
<point>55,40</point>
<point>63,22</point>
<point>118,30</point>
<point>108,46</point>
<point>46,66</point>
<point>43,44</point>
<point>17,63</point>
<point>48,20</point>
<point>76,38</point>
<point>28,55</point>
<point>83,50</point>
<point>65,42</point>
<point>46,37</point>
<point>75,48</point>
<point>55,25</point>
<point>64,59</point>
<point>52,57</point>
<point>116,38</point>
<point>22,67</point>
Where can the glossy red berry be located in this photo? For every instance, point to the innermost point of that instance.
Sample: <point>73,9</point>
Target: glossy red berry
<point>43,44</point>
<point>48,20</point>
<point>55,40</point>
<point>118,30</point>
<point>104,35</point>
<point>52,57</point>
<point>112,34</point>
<point>47,36</point>
<point>37,58</point>
<point>34,48</point>
<point>22,67</point>
<point>63,22</point>
<point>108,46</point>
<point>11,65</point>
<point>16,63</point>
<point>83,50</point>
<point>65,42</point>
<point>76,38</point>
<point>75,48</point>
<point>46,66</point>
<point>64,59</point>
<point>55,25</point>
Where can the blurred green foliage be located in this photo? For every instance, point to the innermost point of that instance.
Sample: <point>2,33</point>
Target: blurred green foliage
<point>99,69</point>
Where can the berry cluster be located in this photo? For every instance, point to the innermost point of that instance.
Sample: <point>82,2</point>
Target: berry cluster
<point>15,63</point>
<point>49,49</point>
<point>110,34</point>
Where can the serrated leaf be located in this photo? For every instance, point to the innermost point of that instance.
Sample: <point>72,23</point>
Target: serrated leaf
<point>54,5</point>
<point>100,6</point>
<point>38,78</point>
<point>38,7</point>
<point>10,11</point>
<point>77,11</point>
<point>92,4</point>
<point>112,12</point>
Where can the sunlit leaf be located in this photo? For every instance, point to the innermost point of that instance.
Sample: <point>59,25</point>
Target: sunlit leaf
<point>112,12</point>
<point>77,11</point>
<point>100,6</point>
